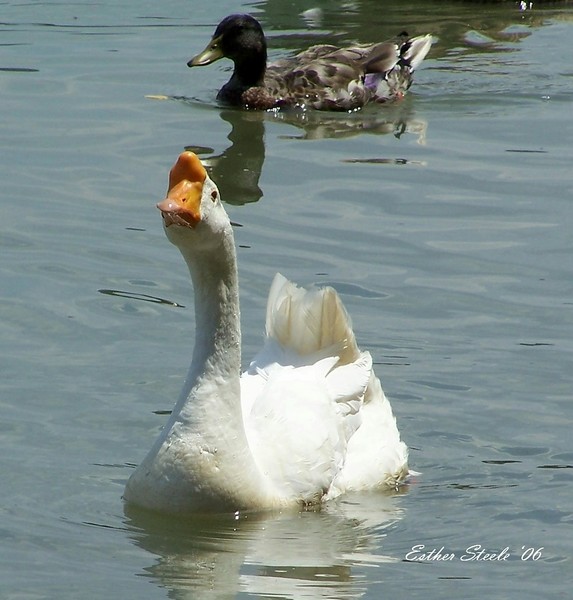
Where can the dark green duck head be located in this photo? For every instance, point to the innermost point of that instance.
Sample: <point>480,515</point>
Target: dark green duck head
<point>241,39</point>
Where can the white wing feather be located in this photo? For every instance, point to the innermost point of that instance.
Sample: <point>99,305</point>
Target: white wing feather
<point>304,399</point>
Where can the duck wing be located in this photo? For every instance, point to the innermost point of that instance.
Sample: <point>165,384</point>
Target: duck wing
<point>323,77</point>
<point>326,77</point>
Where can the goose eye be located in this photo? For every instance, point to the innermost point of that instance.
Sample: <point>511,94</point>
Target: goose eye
<point>214,195</point>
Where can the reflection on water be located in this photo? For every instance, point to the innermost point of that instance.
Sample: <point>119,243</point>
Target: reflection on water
<point>237,170</point>
<point>314,554</point>
<point>394,119</point>
<point>477,25</point>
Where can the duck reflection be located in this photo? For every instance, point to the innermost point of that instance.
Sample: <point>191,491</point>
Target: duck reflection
<point>237,170</point>
<point>396,119</point>
<point>289,555</point>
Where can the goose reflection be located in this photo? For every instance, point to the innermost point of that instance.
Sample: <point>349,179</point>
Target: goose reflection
<point>314,554</point>
<point>237,170</point>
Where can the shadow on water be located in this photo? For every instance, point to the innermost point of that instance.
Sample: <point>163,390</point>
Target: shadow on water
<point>286,554</point>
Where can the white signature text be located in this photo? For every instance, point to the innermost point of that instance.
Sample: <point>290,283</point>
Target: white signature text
<point>475,552</point>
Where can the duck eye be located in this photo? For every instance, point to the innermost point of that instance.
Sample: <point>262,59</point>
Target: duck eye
<point>214,195</point>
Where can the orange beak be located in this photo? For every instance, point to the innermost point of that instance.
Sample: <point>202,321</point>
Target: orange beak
<point>182,206</point>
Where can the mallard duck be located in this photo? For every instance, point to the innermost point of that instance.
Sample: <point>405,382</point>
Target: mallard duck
<point>307,420</point>
<point>324,77</point>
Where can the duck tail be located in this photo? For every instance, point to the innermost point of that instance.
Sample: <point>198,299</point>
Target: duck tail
<point>309,321</point>
<point>415,50</point>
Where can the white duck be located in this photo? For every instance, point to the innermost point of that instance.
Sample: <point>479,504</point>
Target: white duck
<point>306,422</point>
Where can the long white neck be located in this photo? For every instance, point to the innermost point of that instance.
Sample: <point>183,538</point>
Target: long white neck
<point>202,457</point>
<point>217,317</point>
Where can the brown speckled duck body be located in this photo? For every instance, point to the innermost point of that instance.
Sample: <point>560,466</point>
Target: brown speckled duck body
<point>324,77</point>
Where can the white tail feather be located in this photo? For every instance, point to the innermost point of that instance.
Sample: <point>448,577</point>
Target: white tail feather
<point>308,321</point>
<point>419,47</point>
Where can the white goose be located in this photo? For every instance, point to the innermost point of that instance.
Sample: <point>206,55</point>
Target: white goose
<point>306,422</point>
